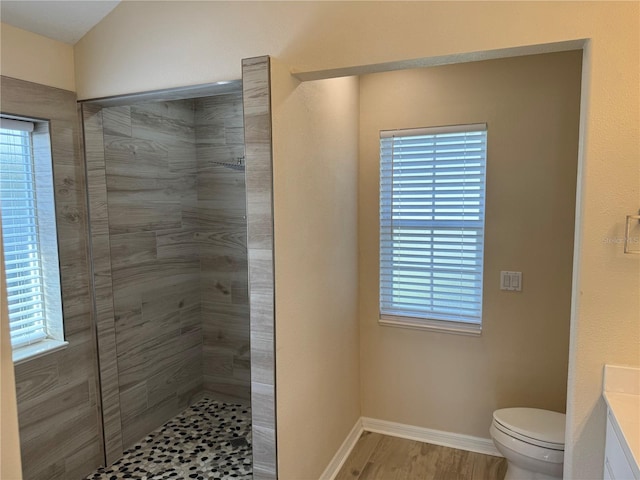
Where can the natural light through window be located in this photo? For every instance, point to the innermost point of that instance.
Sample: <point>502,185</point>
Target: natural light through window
<point>432,209</point>
<point>29,238</point>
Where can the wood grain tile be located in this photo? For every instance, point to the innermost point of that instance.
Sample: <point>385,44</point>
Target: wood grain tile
<point>218,360</point>
<point>171,271</point>
<point>257,117</point>
<point>264,453</point>
<point>217,108</point>
<point>78,359</point>
<point>259,195</point>
<point>42,385</point>
<point>174,298</point>
<point>216,286</point>
<point>101,280</point>
<point>149,329</point>
<point>117,121</point>
<point>222,235</point>
<point>190,319</point>
<point>222,229</point>
<point>211,133</point>
<point>50,446</point>
<point>59,403</point>
<point>240,292</point>
<point>74,464</point>
<point>190,392</point>
<point>382,457</point>
<point>150,177</point>
<point>183,243</point>
<point>173,218</point>
<point>134,401</point>
<point>487,467</point>
<point>225,387</point>
<point>182,156</point>
<point>261,271</point>
<point>125,217</point>
<point>132,248</point>
<point>139,426</point>
<point>121,153</point>
<point>262,412</point>
<point>186,370</point>
<point>35,378</point>
<point>208,154</point>
<point>359,456</point>
<point>151,357</point>
<point>228,325</point>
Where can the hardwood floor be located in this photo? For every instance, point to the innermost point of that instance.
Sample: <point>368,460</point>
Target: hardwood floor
<point>380,457</point>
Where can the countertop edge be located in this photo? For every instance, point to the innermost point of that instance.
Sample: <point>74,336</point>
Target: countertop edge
<point>612,400</point>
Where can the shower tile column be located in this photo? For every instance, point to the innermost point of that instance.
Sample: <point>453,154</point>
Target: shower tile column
<point>257,124</point>
<point>101,280</point>
<point>222,237</point>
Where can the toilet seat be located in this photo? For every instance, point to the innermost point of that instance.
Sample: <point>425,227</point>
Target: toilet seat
<point>537,427</point>
<point>513,449</point>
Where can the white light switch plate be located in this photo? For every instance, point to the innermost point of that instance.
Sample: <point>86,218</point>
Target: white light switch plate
<point>511,281</point>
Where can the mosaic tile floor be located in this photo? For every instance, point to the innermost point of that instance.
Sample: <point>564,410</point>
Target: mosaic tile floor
<point>209,440</point>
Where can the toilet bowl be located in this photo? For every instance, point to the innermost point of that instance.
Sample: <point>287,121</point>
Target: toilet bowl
<point>532,441</point>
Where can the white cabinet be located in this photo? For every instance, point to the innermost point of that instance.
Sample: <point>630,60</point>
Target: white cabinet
<point>607,474</point>
<point>616,464</point>
<point>621,392</point>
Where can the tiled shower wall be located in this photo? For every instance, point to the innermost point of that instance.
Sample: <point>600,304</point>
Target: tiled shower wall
<point>151,179</point>
<point>222,237</point>
<point>175,250</point>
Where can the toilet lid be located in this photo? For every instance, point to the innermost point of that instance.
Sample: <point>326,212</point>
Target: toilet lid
<point>542,427</point>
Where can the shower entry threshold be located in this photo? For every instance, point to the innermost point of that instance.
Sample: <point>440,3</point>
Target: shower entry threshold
<point>211,439</point>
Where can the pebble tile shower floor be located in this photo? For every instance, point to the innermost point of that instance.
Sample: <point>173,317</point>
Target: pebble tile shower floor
<point>210,439</point>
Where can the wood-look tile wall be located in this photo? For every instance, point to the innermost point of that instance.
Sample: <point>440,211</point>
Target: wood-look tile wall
<point>259,180</point>
<point>167,200</point>
<point>102,289</point>
<point>222,237</point>
<point>150,167</point>
<point>60,426</point>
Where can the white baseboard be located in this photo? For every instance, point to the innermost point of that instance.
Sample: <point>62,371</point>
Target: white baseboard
<point>436,437</point>
<point>343,452</point>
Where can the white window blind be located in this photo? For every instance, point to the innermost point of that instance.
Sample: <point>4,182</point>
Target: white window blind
<point>432,205</point>
<point>22,252</point>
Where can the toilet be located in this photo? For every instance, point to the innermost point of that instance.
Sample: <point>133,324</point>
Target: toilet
<point>532,441</point>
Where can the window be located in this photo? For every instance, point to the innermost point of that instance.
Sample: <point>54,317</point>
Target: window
<point>432,191</point>
<point>29,238</point>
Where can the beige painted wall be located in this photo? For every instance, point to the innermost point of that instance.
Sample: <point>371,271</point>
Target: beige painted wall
<point>454,382</point>
<point>315,151</point>
<point>10,464</point>
<point>149,45</point>
<point>27,56</point>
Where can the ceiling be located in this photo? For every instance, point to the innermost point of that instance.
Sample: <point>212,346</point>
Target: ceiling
<point>65,21</point>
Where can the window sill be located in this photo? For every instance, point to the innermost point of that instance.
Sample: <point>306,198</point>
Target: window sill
<point>457,328</point>
<point>29,352</point>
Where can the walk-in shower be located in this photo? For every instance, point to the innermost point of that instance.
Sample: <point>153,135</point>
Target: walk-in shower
<point>167,207</point>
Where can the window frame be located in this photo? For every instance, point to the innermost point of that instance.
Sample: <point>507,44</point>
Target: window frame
<point>387,203</point>
<point>44,200</point>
